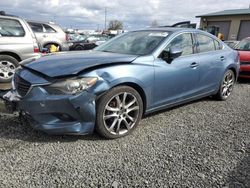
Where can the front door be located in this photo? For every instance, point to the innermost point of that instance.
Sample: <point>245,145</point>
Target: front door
<point>176,80</point>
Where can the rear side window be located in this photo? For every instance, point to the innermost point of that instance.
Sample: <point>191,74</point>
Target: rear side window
<point>48,29</point>
<point>11,28</point>
<point>205,43</point>
<point>36,27</point>
<point>184,42</point>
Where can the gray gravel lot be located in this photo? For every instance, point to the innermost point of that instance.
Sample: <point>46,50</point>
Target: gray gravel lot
<point>201,144</point>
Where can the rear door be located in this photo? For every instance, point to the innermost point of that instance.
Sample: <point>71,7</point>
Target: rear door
<point>51,34</point>
<point>211,59</point>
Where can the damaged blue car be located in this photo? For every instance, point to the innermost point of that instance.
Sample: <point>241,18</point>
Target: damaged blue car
<point>111,87</point>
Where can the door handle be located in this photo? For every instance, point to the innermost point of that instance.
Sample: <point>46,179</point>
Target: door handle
<point>194,65</point>
<point>222,58</point>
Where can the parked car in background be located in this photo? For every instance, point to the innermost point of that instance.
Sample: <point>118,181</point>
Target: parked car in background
<point>98,39</point>
<point>86,42</point>
<point>76,37</point>
<point>48,34</point>
<point>81,45</point>
<point>17,42</point>
<point>243,48</point>
<point>111,87</point>
<point>79,42</point>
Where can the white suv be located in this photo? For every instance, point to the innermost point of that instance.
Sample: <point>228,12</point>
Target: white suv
<point>48,33</point>
<point>17,42</point>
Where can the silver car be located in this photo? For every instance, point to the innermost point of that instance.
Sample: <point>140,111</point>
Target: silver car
<point>49,34</point>
<point>17,42</point>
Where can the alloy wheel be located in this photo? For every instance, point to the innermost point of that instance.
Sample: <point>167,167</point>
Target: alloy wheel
<point>121,113</point>
<point>227,85</point>
<point>7,69</point>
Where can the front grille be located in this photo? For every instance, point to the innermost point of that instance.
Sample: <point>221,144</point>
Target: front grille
<point>245,63</point>
<point>22,86</point>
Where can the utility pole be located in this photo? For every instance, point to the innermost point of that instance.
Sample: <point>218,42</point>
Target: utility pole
<point>105,27</point>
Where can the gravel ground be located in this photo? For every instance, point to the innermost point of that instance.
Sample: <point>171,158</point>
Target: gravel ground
<point>201,144</point>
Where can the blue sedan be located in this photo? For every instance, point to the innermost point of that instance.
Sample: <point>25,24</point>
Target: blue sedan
<point>109,88</point>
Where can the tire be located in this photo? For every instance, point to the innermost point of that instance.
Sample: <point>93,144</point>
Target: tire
<point>226,86</point>
<point>114,120</point>
<point>8,64</point>
<point>79,47</point>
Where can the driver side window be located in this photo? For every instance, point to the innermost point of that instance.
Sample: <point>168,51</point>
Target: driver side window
<point>184,42</point>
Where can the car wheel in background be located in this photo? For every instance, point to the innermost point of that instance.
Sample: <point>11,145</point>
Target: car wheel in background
<point>79,47</point>
<point>8,64</point>
<point>118,112</point>
<point>226,86</point>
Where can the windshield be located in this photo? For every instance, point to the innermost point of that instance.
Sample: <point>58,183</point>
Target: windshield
<point>134,43</point>
<point>243,45</point>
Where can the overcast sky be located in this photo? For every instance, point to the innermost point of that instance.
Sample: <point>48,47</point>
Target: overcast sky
<point>89,14</point>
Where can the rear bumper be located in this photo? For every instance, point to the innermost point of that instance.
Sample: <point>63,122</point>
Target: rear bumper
<point>59,114</point>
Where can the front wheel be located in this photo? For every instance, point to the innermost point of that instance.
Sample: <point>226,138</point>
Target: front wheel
<point>118,112</point>
<point>226,86</point>
<point>8,64</point>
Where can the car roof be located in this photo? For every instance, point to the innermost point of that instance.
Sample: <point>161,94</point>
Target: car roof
<point>10,17</point>
<point>167,29</point>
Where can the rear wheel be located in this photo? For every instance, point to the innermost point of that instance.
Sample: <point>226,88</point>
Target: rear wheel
<point>8,64</point>
<point>226,86</point>
<point>118,112</point>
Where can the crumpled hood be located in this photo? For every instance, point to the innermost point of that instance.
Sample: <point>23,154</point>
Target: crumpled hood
<point>71,63</point>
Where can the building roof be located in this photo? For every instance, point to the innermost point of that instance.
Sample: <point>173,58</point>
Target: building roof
<point>227,13</point>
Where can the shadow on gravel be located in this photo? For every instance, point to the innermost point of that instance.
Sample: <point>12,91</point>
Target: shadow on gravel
<point>240,176</point>
<point>12,128</point>
<point>244,81</point>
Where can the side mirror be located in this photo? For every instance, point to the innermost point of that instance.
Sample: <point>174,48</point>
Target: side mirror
<point>173,53</point>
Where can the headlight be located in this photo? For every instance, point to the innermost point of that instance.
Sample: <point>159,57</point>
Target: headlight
<point>70,44</point>
<point>71,86</point>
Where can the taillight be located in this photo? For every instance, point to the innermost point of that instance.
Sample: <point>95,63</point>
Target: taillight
<point>66,37</point>
<point>36,50</point>
<point>35,46</point>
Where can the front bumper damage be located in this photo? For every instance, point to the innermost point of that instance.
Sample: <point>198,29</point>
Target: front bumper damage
<point>10,103</point>
<point>55,114</point>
